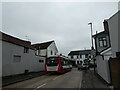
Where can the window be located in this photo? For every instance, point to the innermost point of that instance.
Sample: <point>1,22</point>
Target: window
<point>55,53</point>
<point>71,56</point>
<point>102,42</point>
<point>67,62</point>
<point>16,59</point>
<point>77,62</point>
<point>26,50</point>
<point>80,56</point>
<point>86,55</point>
<point>41,61</point>
<point>64,61</point>
<point>51,52</point>
<point>37,52</point>
<point>52,61</point>
<point>77,57</point>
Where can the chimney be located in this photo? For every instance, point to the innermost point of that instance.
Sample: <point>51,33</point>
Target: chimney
<point>105,23</point>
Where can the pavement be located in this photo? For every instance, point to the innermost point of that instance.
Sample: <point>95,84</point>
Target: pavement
<point>18,78</point>
<point>93,80</point>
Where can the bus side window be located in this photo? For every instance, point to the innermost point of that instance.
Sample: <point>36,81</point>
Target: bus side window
<point>65,62</point>
<point>69,62</point>
<point>62,61</point>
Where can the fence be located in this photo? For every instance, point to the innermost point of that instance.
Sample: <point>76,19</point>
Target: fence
<point>115,71</point>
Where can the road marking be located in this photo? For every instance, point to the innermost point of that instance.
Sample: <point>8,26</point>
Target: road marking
<point>56,77</point>
<point>80,81</point>
<point>40,86</point>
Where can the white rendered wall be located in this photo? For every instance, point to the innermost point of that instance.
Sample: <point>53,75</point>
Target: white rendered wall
<point>28,60</point>
<point>52,48</point>
<point>83,57</point>
<point>103,68</point>
<point>114,33</point>
<point>75,57</point>
<point>78,59</point>
<point>43,52</point>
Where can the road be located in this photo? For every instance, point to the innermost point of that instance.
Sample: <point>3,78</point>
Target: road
<point>70,79</point>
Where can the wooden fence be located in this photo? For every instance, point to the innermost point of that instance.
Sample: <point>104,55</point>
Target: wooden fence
<point>115,71</point>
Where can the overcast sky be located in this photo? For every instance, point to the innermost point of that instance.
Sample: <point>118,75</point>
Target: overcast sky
<point>64,22</point>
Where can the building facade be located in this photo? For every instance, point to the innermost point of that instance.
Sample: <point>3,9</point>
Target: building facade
<point>114,29</point>
<point>18,56</point>
<point>102,39</point>
<point>46,49</point>
<point>103,52</point>
<point>79,55</point>
<point>112,49</point>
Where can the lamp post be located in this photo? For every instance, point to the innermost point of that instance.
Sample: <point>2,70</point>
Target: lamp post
<point>92,48</point>
<point>91,35</point>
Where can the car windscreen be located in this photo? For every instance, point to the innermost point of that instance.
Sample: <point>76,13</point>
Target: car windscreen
<point>52,61</point>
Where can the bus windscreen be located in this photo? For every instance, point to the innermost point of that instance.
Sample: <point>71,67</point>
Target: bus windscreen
<point>52,61</point>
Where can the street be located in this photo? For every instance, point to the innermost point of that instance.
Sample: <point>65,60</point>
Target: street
<point>40,42</point>
<point>70,79</point>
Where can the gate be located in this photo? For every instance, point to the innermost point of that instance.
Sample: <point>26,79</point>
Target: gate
<point>115,71</point>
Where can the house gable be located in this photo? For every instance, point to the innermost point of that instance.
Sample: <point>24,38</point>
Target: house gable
<point>52,50</point>
<point>102,39</point>
<point>44,45</point>
<point>46,48</point>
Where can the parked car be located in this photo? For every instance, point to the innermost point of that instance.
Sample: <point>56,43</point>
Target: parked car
<point>83,66</point>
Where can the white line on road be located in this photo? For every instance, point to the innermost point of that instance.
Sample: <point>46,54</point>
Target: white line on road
<point>56,77</point>
<point>80,80</point>
<point>40,86</point>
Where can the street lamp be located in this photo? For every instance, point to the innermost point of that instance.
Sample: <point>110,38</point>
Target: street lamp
<point>92,48</point>
<point>91,35</point>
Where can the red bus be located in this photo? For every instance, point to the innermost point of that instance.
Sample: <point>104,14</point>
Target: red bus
<point>59,64</point>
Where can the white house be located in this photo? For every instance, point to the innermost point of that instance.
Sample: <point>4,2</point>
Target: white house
<point>79,55</point>
<point>46,49</point>
<point>107,45</point>
<point>103,68</point>
<point>18,56</point>
<point>103,52</point>
<point>114,30</point>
